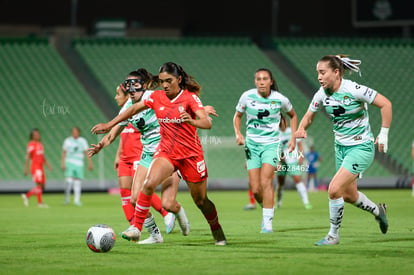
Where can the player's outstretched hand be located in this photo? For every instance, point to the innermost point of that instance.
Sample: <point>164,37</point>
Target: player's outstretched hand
<point>100,128</point>
<point>210,110</point>
<point>94,149</point>
<point>301,133</point>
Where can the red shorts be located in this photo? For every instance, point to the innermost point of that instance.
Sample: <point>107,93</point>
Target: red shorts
<point>127,168</point>
<point>38,175</point>
<point>192,169</point>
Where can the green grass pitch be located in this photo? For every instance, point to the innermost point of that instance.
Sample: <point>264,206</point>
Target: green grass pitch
<point>52,241</point>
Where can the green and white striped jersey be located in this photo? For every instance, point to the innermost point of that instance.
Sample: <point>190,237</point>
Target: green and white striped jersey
<point>75,150</point>
<point>263,115</point>
<point>348,110</point>
<point>146,122</point>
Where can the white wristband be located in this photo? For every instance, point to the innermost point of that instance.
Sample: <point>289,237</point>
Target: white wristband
<point>383,138</point>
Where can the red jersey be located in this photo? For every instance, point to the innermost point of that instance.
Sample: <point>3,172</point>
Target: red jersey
<point>36,154</point>
<point>178,139</point>
<point>131,144</point>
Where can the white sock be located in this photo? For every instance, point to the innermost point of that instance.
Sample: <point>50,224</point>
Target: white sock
<point>302,192</point>
<point>366,204</point>
<point>268,214</point>
<point>336,212</point>
<point>151,226</point>
<point>279,195</point>
<point>68,188</point>
<point>77,189</point>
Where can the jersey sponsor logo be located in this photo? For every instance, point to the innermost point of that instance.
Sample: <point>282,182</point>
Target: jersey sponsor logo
<point>170,120</point>
<point>263,113</point>
<point>315,104</point>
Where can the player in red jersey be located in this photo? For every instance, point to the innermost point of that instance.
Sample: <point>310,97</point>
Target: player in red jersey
<point>35,154</point>
<point>176,108</point>
<point>126,161</point>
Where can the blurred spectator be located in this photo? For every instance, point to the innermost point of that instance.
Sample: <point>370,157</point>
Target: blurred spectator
<point>313,158</point>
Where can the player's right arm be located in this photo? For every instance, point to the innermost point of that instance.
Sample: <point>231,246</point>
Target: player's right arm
<point>132,110</point>
<point>26,163</point>
<point>237,124</point>
<point>308,118</point>
<point>106,140</point>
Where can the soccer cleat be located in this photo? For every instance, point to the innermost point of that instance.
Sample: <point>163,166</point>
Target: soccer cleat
<point>249,206</point>
<point>382,217</point>
<point>308,206</point>
<point>328,240</point>
<point>42,205</point>
<point>132,234</point>
<point>25,200</point>
<point>279,205</point>
<point>169,221</point>
<point>183,222</point>
<point>129,228</point>
<point>265,230</point>
<point>78,203</point>
<point>153,238</point>
<point>219,238</point>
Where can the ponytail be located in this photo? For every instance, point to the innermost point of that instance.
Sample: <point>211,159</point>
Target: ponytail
<point>343,63</point>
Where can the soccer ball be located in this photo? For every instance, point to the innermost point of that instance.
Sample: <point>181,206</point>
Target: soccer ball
<point>100,238</point>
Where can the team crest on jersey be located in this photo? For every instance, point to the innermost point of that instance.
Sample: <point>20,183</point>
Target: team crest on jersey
<point>273,105</point>
<point>197,99</point>
<point>181,109</point>
<point>162,108</point>
<point>346,100</point>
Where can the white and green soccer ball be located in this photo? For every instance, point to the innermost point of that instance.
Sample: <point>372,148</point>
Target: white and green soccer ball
<point>100,238</point>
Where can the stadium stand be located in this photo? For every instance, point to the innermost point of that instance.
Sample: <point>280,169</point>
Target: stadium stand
<point>39,91</point>
<point>54,100</point>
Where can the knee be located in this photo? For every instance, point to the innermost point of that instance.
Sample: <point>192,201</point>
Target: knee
<point>200,202</point>
<point>149,186</point>
<point>335,193</point>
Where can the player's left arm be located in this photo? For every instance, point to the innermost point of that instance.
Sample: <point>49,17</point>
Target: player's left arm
<point>385,105</point>
<point>48,165</point>
<point>293,126</point>
<point>203,121</point>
